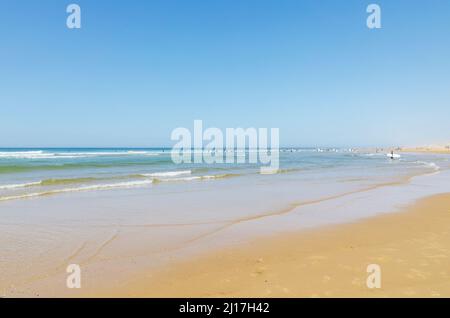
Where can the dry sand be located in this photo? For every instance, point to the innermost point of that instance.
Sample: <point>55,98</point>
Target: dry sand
<point>428,149</point>
<point>412,248</point>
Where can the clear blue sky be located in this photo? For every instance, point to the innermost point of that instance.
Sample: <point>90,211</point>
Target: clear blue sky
<point>138,69</point>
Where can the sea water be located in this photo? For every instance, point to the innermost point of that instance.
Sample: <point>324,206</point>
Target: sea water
<point>28,173</point>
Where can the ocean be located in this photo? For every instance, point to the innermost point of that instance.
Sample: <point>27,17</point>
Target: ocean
<point>32,173</point>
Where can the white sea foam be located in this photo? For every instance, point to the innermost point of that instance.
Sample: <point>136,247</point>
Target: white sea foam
<point>170,176</point>
<point>372,154</point>
<point>146,153</point>
<point>211,177</point>
<point>430,165</point>
<point>106,154</point>
<point>184,179</point>
<point>192,178</point>
<point>95,187</point>
<point>71,155</point>
<point>22,154</point>
<point>18,186</point>
<point>167,173</point>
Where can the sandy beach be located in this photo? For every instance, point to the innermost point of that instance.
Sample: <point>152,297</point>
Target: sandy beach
<point>412,248</point>
<point>436,150</point>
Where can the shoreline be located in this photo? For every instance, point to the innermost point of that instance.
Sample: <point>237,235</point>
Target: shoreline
<point>411,246</point>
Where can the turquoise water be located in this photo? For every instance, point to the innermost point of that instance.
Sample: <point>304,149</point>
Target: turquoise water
<point>29,173</point>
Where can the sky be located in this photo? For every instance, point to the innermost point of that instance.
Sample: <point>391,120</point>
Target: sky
<point>138,69</point>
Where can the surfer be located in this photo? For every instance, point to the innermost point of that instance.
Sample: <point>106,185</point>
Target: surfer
<point>393,155</point>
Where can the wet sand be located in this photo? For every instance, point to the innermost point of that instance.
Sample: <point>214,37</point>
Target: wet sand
<point>411,247</point>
